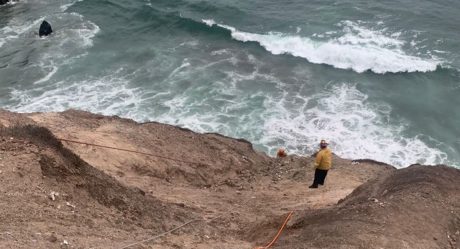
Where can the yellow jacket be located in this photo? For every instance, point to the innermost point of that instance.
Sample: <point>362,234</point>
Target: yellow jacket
<point>323,159</point>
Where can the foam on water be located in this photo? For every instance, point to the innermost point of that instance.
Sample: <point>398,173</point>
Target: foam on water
<point>109,95</point>
<point>48,76</point>
<point>354,127</point>
<point>17,28</point>
<point>240,103</point>
<point>67,45</point>
<point>69,40</point>
<point>339,113</point>
<point>359,49</point>
<point>86,31</point>
<point>64,7</point>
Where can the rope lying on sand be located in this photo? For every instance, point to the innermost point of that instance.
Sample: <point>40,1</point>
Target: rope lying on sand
<point>191,221</point>
<point>158,236</point>
<point>278,234</point>
<point>167,232</point>
<point>133,151</point>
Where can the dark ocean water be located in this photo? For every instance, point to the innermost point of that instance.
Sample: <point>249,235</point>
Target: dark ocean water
<point>378,79</point>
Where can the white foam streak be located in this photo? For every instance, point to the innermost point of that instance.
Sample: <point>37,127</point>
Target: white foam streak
<point>81,34</point>
<point>359,49</point>
<point>177,70</point>
<point>209,22</point>
<point>48,76</point>
<point>64,7</point>
<point>355,128</point>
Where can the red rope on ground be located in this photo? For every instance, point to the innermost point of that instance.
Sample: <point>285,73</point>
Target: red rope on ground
<point>127,150</point>
<point>278,234</point>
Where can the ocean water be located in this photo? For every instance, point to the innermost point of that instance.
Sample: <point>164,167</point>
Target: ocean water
<point>378,79</point>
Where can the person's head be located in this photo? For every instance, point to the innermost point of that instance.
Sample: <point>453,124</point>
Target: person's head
<point>323,144</point>
<point>281,152</point>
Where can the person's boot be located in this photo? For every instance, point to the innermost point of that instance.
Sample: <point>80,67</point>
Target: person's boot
<point>314,186</point>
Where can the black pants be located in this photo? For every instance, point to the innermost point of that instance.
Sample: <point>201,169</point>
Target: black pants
<point>320,176</point>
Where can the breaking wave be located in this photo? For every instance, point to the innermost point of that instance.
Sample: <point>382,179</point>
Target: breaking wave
<point>359,49</point>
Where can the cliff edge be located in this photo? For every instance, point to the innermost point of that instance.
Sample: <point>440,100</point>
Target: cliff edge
<point>64,183</point>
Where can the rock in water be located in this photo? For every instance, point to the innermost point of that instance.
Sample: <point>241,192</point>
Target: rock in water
<point>3,2</point>
<point>45,29</point>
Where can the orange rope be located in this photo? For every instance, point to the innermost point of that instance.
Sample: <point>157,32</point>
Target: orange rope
<point>133,151</point>
<point>278,234</point>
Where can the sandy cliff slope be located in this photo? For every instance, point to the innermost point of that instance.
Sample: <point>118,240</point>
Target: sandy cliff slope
<point>60,194</point>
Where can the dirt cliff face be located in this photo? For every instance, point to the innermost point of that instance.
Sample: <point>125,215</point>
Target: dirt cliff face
<point>61,194</point>
<point>415,207</point>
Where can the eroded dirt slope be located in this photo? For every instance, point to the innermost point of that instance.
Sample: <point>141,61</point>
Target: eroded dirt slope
<point>234,196</point>
<point>415,207</point>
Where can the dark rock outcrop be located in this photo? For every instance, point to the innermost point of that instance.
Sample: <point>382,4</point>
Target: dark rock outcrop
<point>45,29</point>
<point>2,2</point>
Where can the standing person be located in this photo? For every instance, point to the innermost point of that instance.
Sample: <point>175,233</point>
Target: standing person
<point>323,163</point>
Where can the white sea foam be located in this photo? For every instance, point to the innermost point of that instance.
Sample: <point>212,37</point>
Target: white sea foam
<point>221,107</point>
<point>359,49</point>
<point>209,22</point>
<point>48,76</point>
<point>354,127</point>
<point>12,2</point>
<point>220,52</point>
<point>69,41</point>
<point>67,45</point>
<point>341,114</point>
<point>17,28</point>
<point>109,95</point>
<point>80,33</point>
<point>64,7</point>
